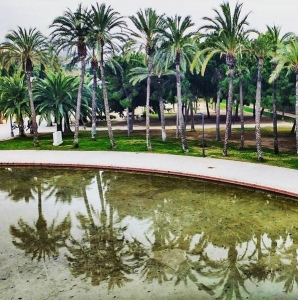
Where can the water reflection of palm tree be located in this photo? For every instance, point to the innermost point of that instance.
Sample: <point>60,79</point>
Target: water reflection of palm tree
<point>41,240</point>
<point>230,273</point>
<point>18,183</point>
<point>102,254</point>
<point>289,273</point>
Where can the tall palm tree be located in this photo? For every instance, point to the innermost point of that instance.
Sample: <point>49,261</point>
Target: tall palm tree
<point>177,43</point>
<point>228,31</point>
<point>55,95</point>
<point>147,23</point>
<point>260,48</point>
<point>276,39</point>
<point>287,57</point>
<point>107,29</point>
<point>70,31</point>
<point>25,48</point>
<point>157,71</point>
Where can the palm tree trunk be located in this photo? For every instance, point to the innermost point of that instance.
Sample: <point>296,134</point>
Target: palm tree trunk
<point>107,108</point>
<point>218,114</point>
<point>162,113</point>
<point>181,120</point>
<point>296,110</point>
<point>241,112</point>
<point>258,110</point>
<point>192,118</point>
<point>148,142</point>
<point>33,114</point>
<point>128,121</point>
<point>79,101</point>
<point>274,118</point>
<point>229,112</point>
<point>94,89</point>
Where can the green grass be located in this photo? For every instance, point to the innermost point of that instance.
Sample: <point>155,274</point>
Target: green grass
<point>137,143</point>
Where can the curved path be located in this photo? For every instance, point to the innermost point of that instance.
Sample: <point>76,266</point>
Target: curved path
<point>275,179</point>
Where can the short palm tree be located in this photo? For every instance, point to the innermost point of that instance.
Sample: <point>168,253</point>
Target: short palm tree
<point>177,44</point>
<point>70,31</point>
<point>14,99</point>
<point>147,24</point>
<point>228,31</point>
<point>25,48</point>
<point>287,57</point>
<point>107,28</point>
<point>55,95</point>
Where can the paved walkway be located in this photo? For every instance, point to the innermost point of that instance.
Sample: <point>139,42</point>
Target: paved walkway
<point>276,179</point>
<point>269,178</point>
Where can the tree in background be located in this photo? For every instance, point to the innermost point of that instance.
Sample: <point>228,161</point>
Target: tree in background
<point>69,32</point>
<point>25,48</point>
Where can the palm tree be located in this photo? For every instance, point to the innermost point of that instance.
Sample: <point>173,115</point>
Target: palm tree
<point>55,95</point>
<point>177,43</point>
<point>228,31</point>
<point>25,48</point>
<point>276,39</point>
<point>287,57</point>
<point>70,31</point>
<point>260,48</point>
<point>157,71</point>
<point>106,28</point>
<point>148,23</point>
<point>14,99</point>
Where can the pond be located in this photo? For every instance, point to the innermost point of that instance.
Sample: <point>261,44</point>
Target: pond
<point>93,234</point>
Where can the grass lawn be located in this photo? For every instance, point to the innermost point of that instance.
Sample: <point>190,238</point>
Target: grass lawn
<point>137,143</point>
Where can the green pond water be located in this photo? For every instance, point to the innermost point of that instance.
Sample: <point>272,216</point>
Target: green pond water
<point>93,234</point>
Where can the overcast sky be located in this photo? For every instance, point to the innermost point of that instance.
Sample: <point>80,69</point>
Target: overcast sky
<point>40,13</point>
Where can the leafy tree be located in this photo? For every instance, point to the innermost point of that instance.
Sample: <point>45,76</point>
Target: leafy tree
<point>55,95</point>
<point>25,48</point>
<point>14,99</point>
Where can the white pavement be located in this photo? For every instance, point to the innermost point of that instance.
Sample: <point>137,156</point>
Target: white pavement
<point>276,179</point>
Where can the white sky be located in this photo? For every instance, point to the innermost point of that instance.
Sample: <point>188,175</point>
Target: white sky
<point>40,13</point>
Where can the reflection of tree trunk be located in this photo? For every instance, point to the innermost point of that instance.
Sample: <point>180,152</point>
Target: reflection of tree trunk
<point>41,224</point>
<point>87,206</point>
<point>101,197</point>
